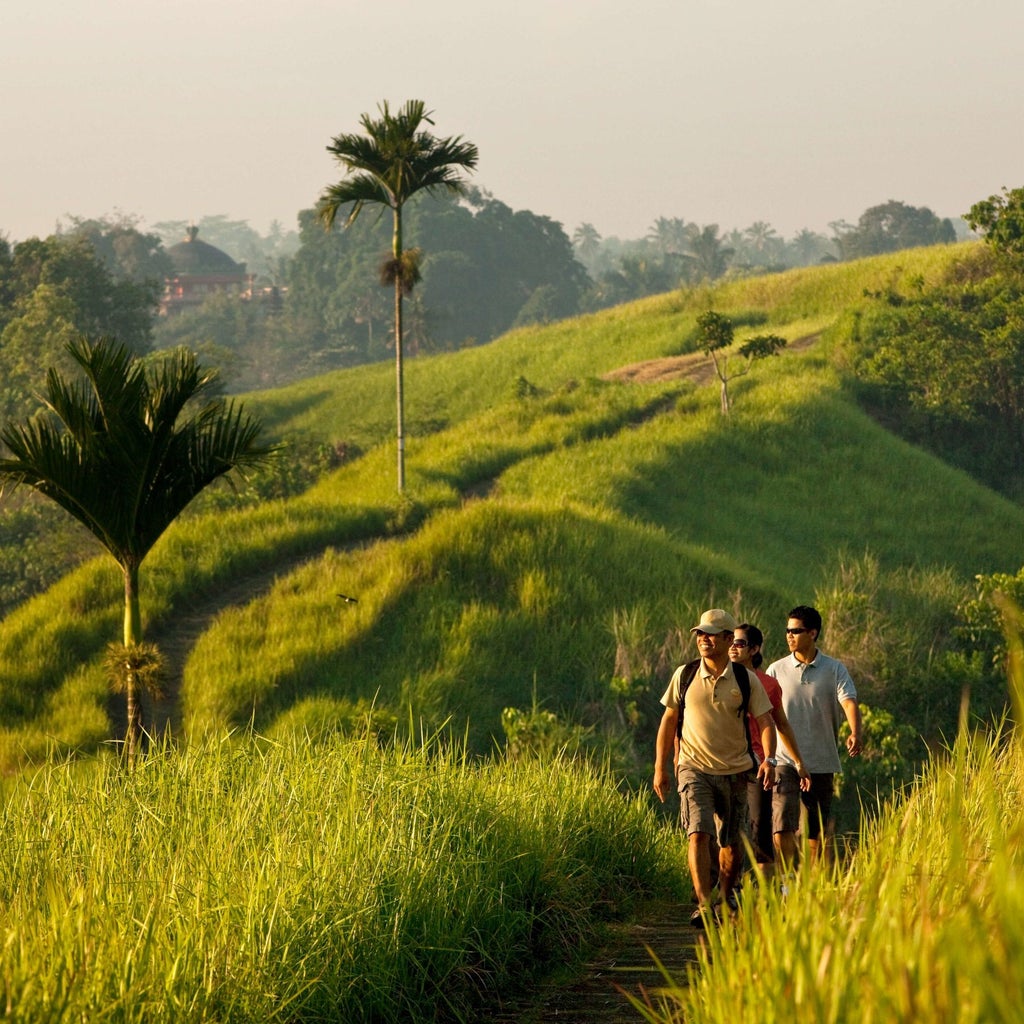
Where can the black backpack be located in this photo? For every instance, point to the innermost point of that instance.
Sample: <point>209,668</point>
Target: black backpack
<point>742,678</point>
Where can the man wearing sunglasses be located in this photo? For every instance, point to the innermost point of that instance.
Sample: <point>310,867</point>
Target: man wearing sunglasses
<point>817,692</point>
<point>706,707</point>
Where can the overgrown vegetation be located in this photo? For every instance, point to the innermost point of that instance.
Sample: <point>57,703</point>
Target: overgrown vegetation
<point>314,879</point>
<point>941,365</point>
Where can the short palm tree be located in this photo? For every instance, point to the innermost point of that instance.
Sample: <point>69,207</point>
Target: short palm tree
<point>124,451</point>
<point>387,164</point>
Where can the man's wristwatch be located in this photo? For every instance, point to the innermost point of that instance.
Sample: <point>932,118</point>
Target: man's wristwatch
<point>771,762</point>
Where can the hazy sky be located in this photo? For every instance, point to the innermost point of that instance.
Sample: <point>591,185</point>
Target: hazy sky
<point>614,112</point>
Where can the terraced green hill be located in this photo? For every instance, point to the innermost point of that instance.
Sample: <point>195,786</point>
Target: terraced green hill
<point>562,526</point>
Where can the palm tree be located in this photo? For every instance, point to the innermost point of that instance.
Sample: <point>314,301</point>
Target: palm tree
<point>763,238</point>
<point>708,254</point>
<point>392,160</point>
<point>586,240</point>
<point>670,235</point>
<point>124,451</point>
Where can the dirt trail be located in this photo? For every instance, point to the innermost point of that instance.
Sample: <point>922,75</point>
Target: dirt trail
<point>177,635</point>
<point>622,964</point>
<point>694,365</point>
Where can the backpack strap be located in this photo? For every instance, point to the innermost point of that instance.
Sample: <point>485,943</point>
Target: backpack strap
<point>743,679</point>
<point>689,672</point>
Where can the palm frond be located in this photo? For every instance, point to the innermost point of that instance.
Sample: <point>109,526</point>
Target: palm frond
<point>393,160</point>
<point>125,454</point>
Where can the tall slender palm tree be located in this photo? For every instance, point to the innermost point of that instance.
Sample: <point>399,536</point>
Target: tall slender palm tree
<point>388,163</point>
<point>124,451</point>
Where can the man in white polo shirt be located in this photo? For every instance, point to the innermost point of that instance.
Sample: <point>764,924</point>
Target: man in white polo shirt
<point>706,706</point>
<point>817,692</point>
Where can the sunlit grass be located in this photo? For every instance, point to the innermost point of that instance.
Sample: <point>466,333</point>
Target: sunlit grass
<point>483,605</point>
<point>357,405</point>
<point>308,881</point>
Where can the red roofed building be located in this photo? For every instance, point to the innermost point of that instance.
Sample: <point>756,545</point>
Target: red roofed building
<point>201,270</point>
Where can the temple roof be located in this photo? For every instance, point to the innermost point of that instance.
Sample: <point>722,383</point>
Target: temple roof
<point>194,258</point>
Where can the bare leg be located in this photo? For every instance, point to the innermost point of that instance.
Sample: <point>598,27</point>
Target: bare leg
<point>785,850</point>
<point>821,850</point>
<point>730,860</point>
<point>699,859</point>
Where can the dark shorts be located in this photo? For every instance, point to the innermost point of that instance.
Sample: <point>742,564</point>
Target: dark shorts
<point>789,798</point>
<point>714,804</point>
<point>760,801</point>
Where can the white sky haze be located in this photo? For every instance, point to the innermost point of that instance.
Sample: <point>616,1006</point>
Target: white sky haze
<point>795,113</point>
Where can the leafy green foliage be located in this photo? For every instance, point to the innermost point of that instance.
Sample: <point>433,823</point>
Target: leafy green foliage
<point>127,253</point>
<point>945,364</point>
<point>38,545</point>
<point>888,761</point>
<point>52,291</point>
<point>485,268</point>
<point>982,626</point>
<point>122,453</point>
<point>1001,219</point>
<point>115,455</point>
<point>715,333</point>
<point>538,732</point>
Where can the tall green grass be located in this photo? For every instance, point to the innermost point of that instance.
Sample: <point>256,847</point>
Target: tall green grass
<point>794,475</point>
<point>481,607</point>
<point>312,881</point>
<point>527,527</point>
<point>814,292</point>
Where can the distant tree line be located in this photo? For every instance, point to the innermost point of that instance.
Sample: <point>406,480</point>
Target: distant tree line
<point>318,304</point>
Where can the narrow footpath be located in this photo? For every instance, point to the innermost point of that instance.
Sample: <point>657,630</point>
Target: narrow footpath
<point>622,963</point>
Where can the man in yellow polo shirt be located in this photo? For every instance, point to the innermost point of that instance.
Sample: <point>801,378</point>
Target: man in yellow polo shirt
<point>715,761</point>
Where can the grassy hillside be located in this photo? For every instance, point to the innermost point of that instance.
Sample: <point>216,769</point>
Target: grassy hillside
<point>557,527</point>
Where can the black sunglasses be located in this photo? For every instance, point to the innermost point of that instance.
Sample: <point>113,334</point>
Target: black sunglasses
<point>797,632</point>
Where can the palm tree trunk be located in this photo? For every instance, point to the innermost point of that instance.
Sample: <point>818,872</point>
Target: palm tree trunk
<point>132,636</point>
<point>396,246</point>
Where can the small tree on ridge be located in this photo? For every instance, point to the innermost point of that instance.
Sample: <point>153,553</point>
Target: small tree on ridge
<point>715,332</point>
